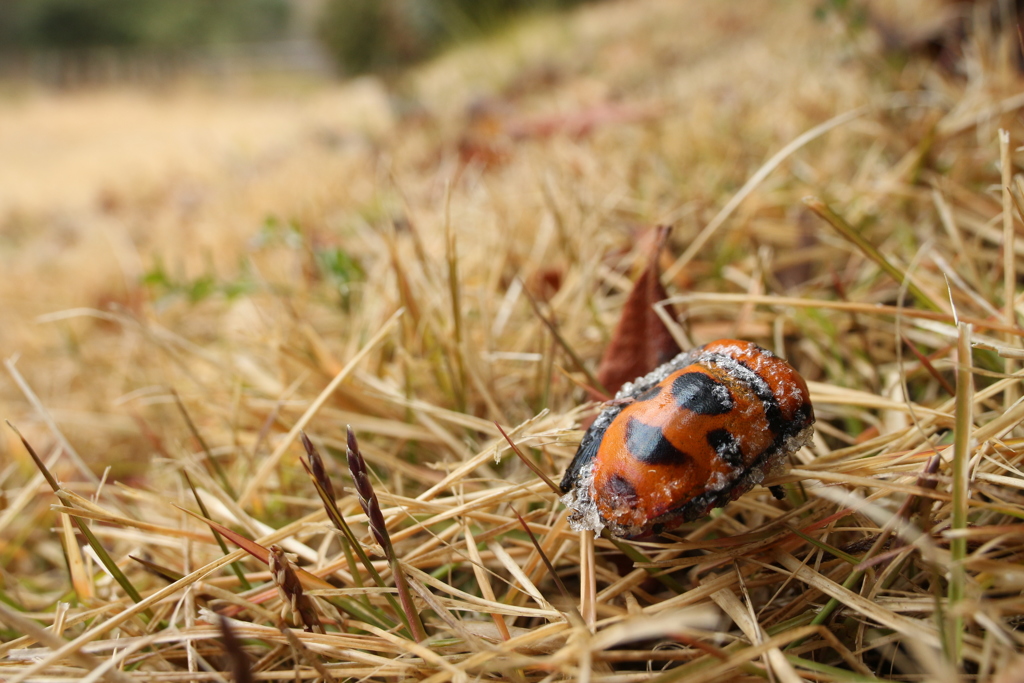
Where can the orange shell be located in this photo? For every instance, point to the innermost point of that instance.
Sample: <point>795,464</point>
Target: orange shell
<point>700,431</point>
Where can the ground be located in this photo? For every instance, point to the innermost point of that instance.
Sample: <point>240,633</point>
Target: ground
<point>196,270</point>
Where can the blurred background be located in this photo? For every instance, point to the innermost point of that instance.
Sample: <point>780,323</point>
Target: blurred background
<point>166,160</point>
<point>232,175</point>
<point>71,42</point>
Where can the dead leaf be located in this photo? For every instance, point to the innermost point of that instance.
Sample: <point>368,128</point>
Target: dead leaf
<point>493,126</point>
<point>545,283</point>
<point>641,341</point>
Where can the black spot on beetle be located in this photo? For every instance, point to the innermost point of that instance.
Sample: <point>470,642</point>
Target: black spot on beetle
<point>726,446</point>
<point>623,492</point>
<point>702,394</point>
<point>649,445</point>
<point>776,422</point>
<point>649,393</point>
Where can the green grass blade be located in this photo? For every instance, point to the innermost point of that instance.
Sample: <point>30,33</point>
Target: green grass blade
<point>235,566</point>
<point>94,543</point>
<point>847,231</point>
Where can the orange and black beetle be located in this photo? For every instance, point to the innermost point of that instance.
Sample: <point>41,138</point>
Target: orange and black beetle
<point>692,435</point>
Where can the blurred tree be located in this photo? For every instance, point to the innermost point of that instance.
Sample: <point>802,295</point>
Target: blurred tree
<point>71,24</point>
<point>367,35</point>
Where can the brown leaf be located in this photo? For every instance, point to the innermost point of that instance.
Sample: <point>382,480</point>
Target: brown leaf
<point>641,341</point>
<point>494,126</point>
<point>545,283</point>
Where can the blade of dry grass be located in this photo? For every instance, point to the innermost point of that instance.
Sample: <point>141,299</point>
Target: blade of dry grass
<point>705,670</point>
<point>499,607</point>
<point>211,462</point>
<point>457,474</point>
<point>529,463</point>
<point>634,554</point>
<point>962,435</point>
<point>520,576</point>
<point>33,630</point>
<point>455,294</point>
<point>475,644</point>
<point>588,580</point>
<point>846,306</point>
<point>76,564</point>
<point>267,466</point>
<point>1009,259</point>
<point>956,235</point>
<point>775,660</point>
<point>258,551</point>
<point>951,126</point>
<point>756,179</point>
<point>909,627</point>
<point>311,658</point>
<point>23,385</point>
<point>594,384</point>
<point>573,613</point>
<point>486,591</point>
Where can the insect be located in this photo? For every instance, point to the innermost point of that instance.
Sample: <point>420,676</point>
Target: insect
<point>692,435</point>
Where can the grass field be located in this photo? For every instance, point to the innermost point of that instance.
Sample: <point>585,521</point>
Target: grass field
<point>198,271</point>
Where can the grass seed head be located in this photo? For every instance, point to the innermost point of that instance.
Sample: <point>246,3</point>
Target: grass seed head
<point>294,598</point>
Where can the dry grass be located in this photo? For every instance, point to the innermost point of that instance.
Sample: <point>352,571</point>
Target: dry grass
<point>389,296</point>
